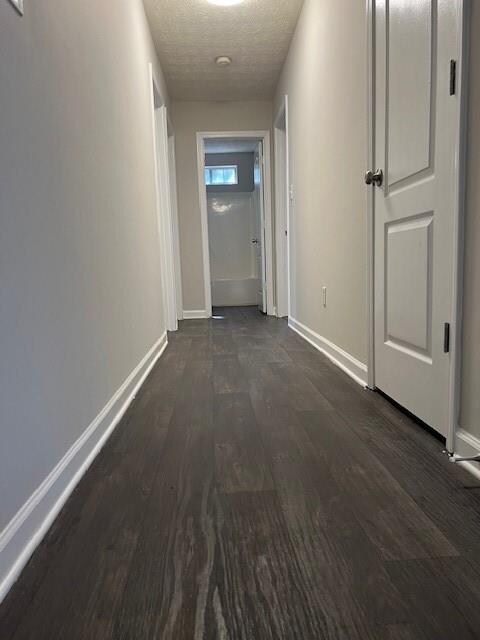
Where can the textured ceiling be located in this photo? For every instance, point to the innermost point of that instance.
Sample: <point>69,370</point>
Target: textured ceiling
<point>190,34</point>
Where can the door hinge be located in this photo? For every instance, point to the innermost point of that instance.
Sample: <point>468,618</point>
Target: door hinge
<point>446,338</point>
<point>453,77</point>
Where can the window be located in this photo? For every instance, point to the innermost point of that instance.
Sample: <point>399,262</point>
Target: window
<point>221,176</point>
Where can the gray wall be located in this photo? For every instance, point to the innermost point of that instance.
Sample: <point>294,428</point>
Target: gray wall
<point>79,261</point>
<point>188,119</point>
<point>244,162</point>
<point>325,79</point>
<point>470,405</point>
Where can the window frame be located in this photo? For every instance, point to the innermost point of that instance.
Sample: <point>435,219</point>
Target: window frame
<point>222,167</point>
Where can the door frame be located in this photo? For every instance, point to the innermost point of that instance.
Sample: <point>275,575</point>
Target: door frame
<point>259,166</point>
<point>264,137</point>
<point>282,183</point>
<point>163,191</point>
<point>175,224</point>
<point>463,12</point>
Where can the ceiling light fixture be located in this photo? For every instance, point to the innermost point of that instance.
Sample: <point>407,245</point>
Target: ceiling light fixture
<point>223,61</point>
<point>225,3</point>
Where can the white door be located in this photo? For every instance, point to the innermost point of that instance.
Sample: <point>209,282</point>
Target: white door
<point>416,131</point>
<point>259,236</point>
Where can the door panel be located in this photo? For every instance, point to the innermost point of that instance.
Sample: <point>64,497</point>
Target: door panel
<point>408,251</point>
<point>410,62</point>
<point>415,138</point>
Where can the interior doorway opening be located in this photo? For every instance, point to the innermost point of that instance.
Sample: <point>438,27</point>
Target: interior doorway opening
<point>234,184</point>
<point>235,209</point>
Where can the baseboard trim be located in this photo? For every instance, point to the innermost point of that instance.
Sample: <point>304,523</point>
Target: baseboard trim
<point>27,528</point>
<point>346,362</point>
<point>467,445</point>
<point>195,314</point>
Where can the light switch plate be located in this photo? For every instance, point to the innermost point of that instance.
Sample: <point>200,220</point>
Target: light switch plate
<point>18,4</point>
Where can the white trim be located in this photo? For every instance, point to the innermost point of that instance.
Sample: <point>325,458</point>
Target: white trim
<point>195,314</point>
<point>288,196</point>
<point>370,201</point>
<point>202,194</point>
<point>467,445</point>
<point>25,531</point>
<point>175,224</point>
<point>164,203</point>
<point>263,136</point>
<point>471,467</point>
<point>350,365</point>
<point>463,36</point>
<point>267,194</point>
<point>166,220</point>
<point>282,181</point>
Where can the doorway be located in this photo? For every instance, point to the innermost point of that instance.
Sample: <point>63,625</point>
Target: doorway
<point>234,187</point>
<point>235,206</point>
<point>415,205</point>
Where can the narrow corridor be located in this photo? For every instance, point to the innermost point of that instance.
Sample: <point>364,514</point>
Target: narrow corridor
<point>254,491</point>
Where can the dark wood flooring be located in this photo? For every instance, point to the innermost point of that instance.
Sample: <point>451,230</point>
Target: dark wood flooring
<point>254,491</point>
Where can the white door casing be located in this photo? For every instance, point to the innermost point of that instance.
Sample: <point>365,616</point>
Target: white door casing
<point>282,206</point>
<point>164,207</point>
<point>416,138</point>
<point>264,137</point>
<point>260,239</point>
<point>175,226</point>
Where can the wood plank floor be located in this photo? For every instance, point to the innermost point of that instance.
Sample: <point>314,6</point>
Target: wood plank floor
<point>254,491</point>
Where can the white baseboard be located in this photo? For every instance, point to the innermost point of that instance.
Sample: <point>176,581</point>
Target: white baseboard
<point>195,314</point>
<point>468,445</point>
<point>25,531</point>
<point>353,367</point>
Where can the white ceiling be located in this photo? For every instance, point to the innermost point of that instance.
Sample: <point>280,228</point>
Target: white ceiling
<point>190,34</point>
<point>230,145</point>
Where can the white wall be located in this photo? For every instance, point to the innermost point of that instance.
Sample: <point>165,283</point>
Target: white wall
<point>325,79</point>
<point>79,261</point>
<point>470,403</point>
<point>188,119</point>
<point>231,227</point>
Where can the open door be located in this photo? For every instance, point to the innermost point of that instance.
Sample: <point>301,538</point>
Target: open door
<point>259,237</point>
<point>415,181</point>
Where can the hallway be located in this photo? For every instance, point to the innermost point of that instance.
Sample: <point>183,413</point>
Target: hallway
<point>254,491</point>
